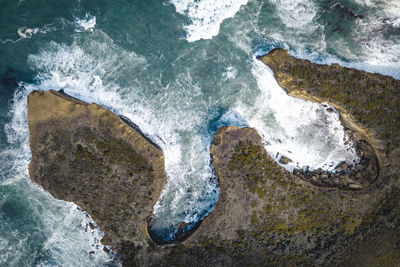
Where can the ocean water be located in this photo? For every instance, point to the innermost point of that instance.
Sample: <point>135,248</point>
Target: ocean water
<point>179,69</point>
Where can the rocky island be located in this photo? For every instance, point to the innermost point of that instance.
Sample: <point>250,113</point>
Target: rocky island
<point>265,216</point>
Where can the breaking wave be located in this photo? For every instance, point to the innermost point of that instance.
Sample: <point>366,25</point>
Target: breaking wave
<point>206,16</point>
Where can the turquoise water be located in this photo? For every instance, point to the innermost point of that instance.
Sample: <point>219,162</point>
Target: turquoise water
<point>178,69</point>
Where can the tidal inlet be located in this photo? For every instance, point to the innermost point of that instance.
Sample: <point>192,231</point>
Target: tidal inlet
<point>200,133</point>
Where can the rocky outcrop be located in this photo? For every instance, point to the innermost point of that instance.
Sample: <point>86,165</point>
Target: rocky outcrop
<point>86,154</point>
<point>358,177</point>
<point>269,217</point>
<point>266,216</point>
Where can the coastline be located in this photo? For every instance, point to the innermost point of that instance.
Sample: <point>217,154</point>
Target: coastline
<point>285,81</point>
<point>104,148</point>
<point>367,134</point>
<point>261,207</point>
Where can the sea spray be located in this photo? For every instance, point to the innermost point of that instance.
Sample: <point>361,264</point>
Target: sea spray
<point>85,24</point>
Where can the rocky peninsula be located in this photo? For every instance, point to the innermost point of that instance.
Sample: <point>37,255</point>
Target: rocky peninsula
<point>265,216</point>
<point>86,154</point>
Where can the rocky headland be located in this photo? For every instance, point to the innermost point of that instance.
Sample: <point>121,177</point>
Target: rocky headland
<point>265,216</point>
<point>86,154</point>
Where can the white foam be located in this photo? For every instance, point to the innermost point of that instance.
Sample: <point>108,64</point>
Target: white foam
<point>16,158</point>
<point>26,32</point>
<point>297,14</point>
<point>230,73</point>
<point>72,232</point>
<point>375,53</point>
<point>377,50</point>
<point>391,9</point>
<point>300,130</point>
<point>206,15</point>
<point>86,24</point>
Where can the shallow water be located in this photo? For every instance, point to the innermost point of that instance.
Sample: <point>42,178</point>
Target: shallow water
<point>179,70</point>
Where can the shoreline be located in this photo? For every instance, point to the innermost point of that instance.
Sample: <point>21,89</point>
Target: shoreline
<point>366,134</point>
<point>64,108</point>
<point>349,122</point>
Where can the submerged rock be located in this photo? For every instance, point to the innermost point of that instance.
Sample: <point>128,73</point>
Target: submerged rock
<point>285,160</point>
<point>182,226</point>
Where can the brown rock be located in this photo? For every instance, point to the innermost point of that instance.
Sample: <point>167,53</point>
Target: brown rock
<point>182,226</point>
<point>285,160</point>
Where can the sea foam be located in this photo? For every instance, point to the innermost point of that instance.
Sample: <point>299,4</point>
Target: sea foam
<point>306,132</point>
<point>85,24</point>
<point>26,32</point>
<point>206,16</point>
<point>298,14</point>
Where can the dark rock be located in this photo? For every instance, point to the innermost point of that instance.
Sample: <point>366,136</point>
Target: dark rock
<point>182,226</point>
<point>150,221</point>
<point>285,160</point>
